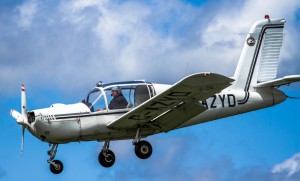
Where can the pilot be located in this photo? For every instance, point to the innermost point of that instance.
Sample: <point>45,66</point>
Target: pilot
<point>119,101</point>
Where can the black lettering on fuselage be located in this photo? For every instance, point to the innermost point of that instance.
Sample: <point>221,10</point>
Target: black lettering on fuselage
<point>204,103</point>
<point>227,100</point>
<point>231,100</point>
<point>222,98</point>
<point>212,105</point>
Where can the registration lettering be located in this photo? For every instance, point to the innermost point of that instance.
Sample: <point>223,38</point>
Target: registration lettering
<point>220,100</point>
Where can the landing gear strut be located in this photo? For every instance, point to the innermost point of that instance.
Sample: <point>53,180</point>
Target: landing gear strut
<point>143,149</point>
<point>106,157</point>
<point>56,166</point>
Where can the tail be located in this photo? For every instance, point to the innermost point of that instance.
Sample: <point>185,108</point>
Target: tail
<point>260,56</point>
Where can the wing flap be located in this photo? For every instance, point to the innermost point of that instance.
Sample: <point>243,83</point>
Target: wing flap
<point>160,109</point>
<point>279,82</point>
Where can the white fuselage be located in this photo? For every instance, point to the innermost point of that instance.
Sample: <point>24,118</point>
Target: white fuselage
<point>68,123</point>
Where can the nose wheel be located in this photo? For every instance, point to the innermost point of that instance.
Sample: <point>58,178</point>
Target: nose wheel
<point>106,157</point>
<point>56,166</point>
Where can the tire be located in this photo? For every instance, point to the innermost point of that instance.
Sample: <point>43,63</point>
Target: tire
<point>143,149</point>
<point>58,169</point>
<point>107,161</point>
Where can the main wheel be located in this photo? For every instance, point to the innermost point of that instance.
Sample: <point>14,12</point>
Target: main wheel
<point>143,149</point>
<point>58,168</point>
<point>106,159</point>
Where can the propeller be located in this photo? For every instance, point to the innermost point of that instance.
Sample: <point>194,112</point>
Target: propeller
<point>21,118</point>
<point>22,142</point>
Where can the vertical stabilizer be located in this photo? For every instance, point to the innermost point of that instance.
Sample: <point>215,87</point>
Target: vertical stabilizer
<point>260,55</point>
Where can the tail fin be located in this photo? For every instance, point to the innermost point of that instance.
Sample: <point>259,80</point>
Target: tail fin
<point>260,56</point>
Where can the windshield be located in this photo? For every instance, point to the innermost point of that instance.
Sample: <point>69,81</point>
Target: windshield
<point>95,100</point>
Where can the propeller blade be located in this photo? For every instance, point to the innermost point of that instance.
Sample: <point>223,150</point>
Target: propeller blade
<point>22,143</point>
<point>15,114</point>
<point>24,104</point>
<point>18,116</point>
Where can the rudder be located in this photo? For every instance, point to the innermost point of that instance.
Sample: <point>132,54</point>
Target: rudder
<point>260,55</point>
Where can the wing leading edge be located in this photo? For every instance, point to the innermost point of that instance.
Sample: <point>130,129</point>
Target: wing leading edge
<point>174,106</point>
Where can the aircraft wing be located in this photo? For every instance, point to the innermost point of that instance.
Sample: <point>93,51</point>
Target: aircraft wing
<point>174,106</point>
<point>279,82</point>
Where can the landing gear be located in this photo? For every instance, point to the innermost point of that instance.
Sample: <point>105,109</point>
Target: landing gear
<point>106,157</point>
<point>56,166</point>
<point>143,149</point>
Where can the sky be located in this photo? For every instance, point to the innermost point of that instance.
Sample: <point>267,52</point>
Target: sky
<point>60,49</point>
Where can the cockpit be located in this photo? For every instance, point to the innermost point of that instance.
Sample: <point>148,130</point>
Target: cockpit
<point>135,93</point>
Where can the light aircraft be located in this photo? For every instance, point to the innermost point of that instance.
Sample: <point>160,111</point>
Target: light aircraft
<point>157,108</point>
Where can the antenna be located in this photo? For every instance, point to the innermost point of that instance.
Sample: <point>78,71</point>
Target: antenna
<point>186,69</point>
<point>291,97</point>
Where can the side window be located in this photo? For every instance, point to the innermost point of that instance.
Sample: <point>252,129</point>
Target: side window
<point>126,94</point>
<point>118,103</point>
<point>141,94</point>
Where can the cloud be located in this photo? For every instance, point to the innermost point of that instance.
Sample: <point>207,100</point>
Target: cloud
<point>78,43</point>
<point>27,12</point>
<point>289,167</point>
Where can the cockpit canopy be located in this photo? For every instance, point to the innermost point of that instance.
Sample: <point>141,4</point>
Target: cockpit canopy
<point>135,92</point>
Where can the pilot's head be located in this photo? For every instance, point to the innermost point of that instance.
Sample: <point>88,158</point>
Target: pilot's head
<point>115,91</point>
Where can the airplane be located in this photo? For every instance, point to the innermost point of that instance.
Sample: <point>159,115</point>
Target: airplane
<point>153,108</point>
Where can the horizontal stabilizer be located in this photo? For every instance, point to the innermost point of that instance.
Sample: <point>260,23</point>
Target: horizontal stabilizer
<point>279,82</point>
